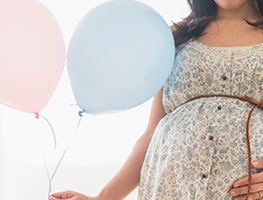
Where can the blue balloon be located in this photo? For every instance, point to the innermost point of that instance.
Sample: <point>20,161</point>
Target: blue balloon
<point>119,56</point>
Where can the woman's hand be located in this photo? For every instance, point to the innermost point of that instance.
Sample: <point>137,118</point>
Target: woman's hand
<point>70,195</point>
<point>240,187</point>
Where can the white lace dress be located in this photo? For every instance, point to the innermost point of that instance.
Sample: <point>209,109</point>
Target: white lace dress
<point>199,149</point>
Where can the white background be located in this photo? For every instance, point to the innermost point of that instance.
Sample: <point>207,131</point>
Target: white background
<point>97,148</point>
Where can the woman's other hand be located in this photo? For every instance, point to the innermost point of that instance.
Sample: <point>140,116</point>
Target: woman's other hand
<point>70,195</point>
<point>240,187</point>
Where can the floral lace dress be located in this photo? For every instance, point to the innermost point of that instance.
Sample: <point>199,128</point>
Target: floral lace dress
<point>199,148</point>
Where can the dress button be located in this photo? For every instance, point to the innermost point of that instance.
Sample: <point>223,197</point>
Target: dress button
<point>224,77</point>
<point>204,176</point>
<point>210,137</point>
<point>219,107</point>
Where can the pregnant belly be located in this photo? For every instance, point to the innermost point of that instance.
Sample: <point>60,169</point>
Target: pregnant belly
<point>204,143</point>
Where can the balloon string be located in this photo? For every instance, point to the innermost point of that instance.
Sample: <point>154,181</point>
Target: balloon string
<point>50,178</point>
<point>58,164</point>
<point>80,113</point>
<point>37,115</point>
<point>78,123</point>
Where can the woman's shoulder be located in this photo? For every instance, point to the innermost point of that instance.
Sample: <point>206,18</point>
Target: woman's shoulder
<point>173,28</point>
<point>176,39</point>
<point>179,34</point>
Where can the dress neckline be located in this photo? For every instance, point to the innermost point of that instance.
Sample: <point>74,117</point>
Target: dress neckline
<point>228,47</point>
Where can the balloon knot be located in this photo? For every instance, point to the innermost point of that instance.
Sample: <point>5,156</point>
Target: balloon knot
<point>81,112</point>
<point>37,115</point>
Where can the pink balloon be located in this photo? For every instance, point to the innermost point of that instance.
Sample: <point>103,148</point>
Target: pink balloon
<point>32,54</point>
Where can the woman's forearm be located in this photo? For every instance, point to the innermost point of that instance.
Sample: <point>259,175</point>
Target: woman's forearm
<point>127,179</point>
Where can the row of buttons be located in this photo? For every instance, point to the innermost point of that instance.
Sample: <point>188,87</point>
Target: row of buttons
<point>210,137</point>
<point>205,176</point>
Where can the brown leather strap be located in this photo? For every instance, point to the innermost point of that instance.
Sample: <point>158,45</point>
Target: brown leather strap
<point>256,104</point>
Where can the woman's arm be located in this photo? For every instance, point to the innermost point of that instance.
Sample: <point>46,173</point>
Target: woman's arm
<point>127,179</point>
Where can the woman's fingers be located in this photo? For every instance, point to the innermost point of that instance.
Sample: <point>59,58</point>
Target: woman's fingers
<point>240,187</point>
<point>70,195</point>
<point>256,187</point>
<point>252,196</point>
<point>256,178</point>
<point>257,164</point>
<point>62,195</point>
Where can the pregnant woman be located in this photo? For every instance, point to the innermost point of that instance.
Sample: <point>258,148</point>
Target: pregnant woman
<point>204,140</point>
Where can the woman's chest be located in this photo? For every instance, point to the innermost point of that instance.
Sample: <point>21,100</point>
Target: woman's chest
<point>201,70</point>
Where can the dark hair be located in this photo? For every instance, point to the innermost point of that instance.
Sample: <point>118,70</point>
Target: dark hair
<point>202,13</point>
